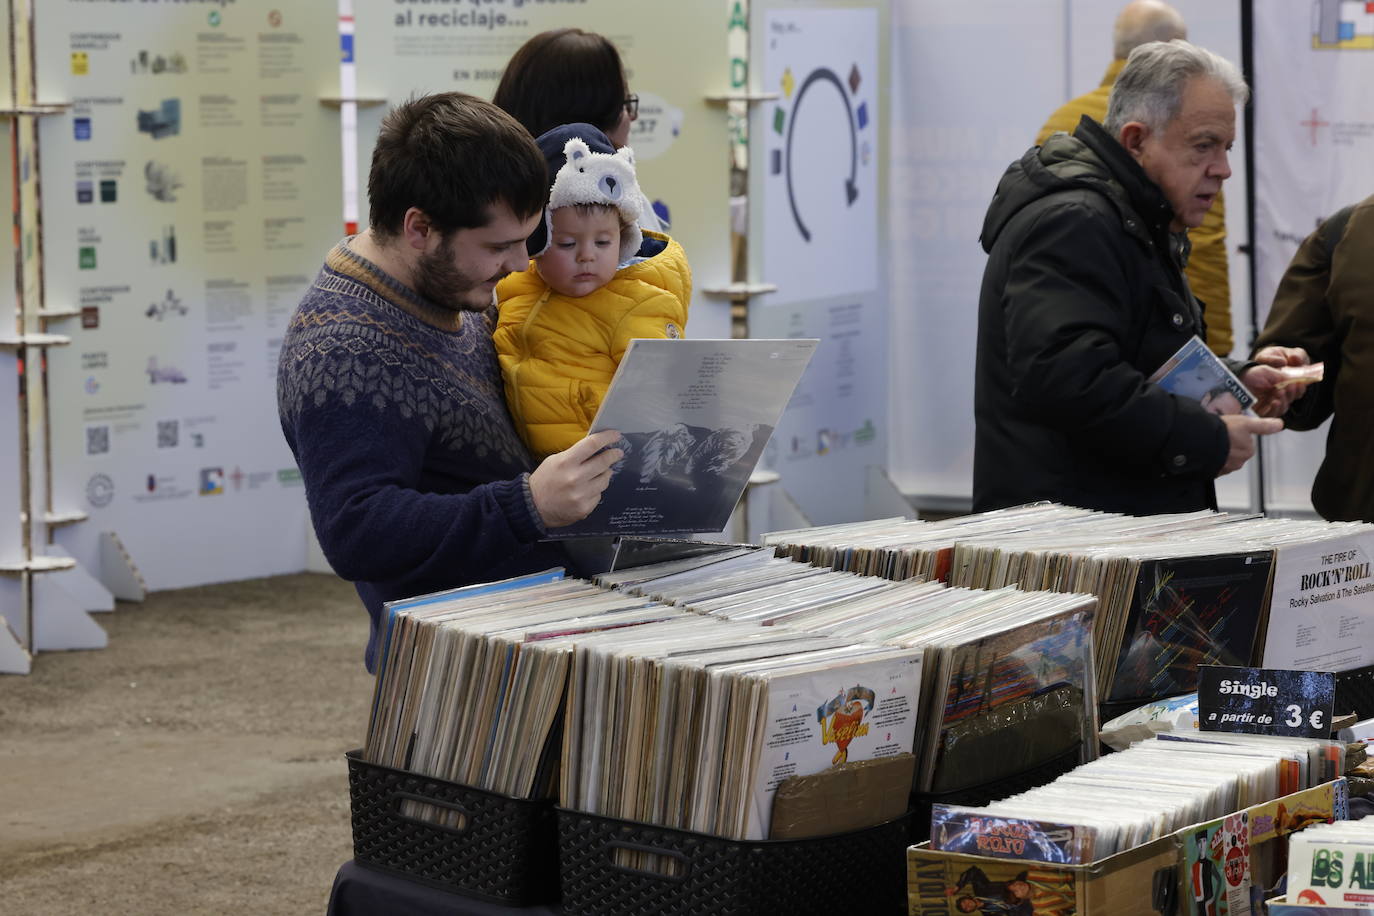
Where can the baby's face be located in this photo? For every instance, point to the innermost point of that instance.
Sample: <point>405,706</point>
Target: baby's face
<point>583,251</point>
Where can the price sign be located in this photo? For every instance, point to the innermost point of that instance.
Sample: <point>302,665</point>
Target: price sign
<point>1266,701</point>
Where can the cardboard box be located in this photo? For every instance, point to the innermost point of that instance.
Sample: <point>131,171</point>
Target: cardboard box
<point>847,797</point>
<point>1203,868</point>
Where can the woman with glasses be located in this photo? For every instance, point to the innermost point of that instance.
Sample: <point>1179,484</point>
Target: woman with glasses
<point>567,76</point>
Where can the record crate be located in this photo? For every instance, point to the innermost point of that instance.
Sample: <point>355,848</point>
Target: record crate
<point>861,871</point>
<point>504,851</point>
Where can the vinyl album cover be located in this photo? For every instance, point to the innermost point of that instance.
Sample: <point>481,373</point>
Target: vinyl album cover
<point>1186,612</point>
<point>1218,866</point>
<point>1013,700</point>
<point>938,885</point>
<point>1196,372</point>
<point>954,829</point>
<point>694,416</point>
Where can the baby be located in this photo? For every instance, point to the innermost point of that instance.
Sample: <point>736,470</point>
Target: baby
<point>595,282</point>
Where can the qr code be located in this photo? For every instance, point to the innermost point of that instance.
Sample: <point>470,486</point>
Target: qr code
<point>167,431</point>
<point>97,440</point>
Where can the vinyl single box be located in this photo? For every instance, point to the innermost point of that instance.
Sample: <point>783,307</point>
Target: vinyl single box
<point>1187,872</point>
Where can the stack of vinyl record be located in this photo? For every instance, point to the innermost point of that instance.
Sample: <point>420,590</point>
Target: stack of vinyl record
<point>1006,680</point>
<point>1174,591</point>
<point>684,694</point>
<point>1147,791</point>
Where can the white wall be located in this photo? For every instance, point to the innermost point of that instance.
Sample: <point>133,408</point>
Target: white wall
<point>972,84</point>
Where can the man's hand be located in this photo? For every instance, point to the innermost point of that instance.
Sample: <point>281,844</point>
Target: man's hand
<point>1243,430</point>
<point>1283,356</point>
<point>567,486</point>
<point>1263,380</point>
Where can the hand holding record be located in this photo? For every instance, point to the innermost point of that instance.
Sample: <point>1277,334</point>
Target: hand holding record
<point>568,484</point>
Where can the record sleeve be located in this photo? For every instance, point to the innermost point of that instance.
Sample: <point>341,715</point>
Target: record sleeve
<point>1186,612</point>
<point>694,416</point>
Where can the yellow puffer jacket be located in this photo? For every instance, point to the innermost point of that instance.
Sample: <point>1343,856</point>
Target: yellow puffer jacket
<point>1208,270</point>
<point>558,353</point>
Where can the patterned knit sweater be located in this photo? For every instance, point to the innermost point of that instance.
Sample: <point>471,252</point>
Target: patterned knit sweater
<point>393,407</point>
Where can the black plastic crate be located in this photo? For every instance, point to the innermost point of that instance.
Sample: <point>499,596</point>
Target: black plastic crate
<point>1355,692</point>
<point>862,871</point>
<point>505,851</point>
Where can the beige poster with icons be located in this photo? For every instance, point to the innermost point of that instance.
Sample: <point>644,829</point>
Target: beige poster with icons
<point>190,189</point>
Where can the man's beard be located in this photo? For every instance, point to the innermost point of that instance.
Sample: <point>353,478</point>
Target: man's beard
<point>437,280</point>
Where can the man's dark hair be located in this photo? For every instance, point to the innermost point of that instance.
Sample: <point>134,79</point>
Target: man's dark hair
<point>452,156</point>
<point>561,77</point>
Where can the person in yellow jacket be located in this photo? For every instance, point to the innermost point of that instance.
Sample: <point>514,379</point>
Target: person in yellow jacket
<point>1208,273</point>
<point>595,282</point>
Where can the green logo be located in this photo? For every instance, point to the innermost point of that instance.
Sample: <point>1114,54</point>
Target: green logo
<point>87,257</point>
<point>865,433</point>
<point>213,17</point>
<point>289,477</point>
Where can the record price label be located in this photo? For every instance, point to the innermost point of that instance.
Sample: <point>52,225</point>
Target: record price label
<point>1266,701</point>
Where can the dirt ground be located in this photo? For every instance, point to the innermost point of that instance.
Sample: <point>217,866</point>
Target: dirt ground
<point>193,766</point>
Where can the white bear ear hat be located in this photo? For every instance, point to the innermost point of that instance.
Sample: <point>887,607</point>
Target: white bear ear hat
<point>587,169</point>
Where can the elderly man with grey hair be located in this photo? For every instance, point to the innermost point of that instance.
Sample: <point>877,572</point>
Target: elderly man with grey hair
<point>1084,297</point>
<point>1208,270</point>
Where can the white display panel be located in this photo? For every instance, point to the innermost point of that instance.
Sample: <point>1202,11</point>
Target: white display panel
<point>11,433</point>
<point>817,194</point>
<point>189,195</point>
<point>972,83</point>
<point>957,121</point>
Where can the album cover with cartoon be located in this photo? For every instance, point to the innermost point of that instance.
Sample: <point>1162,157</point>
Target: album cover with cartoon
<point>940,886</point>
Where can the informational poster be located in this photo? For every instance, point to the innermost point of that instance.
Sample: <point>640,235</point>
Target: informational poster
<point>820,140</point>
<point>1320,615</point>
<point>189,192</point>
<point>675,55</point>
<point>817,188</point>
<point>1314,153</point>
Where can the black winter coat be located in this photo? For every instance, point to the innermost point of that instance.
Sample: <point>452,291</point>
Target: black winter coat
<point>1083,298</point>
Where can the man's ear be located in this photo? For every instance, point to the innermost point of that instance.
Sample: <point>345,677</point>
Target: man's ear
<point>1133,135</point>
<point>417,230</point>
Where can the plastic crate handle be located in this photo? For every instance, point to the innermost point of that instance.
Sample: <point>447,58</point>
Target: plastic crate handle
<point>686,862</point>
<point>399,797</point>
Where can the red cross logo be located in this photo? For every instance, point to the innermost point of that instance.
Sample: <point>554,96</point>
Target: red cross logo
<point>1314,124</point>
